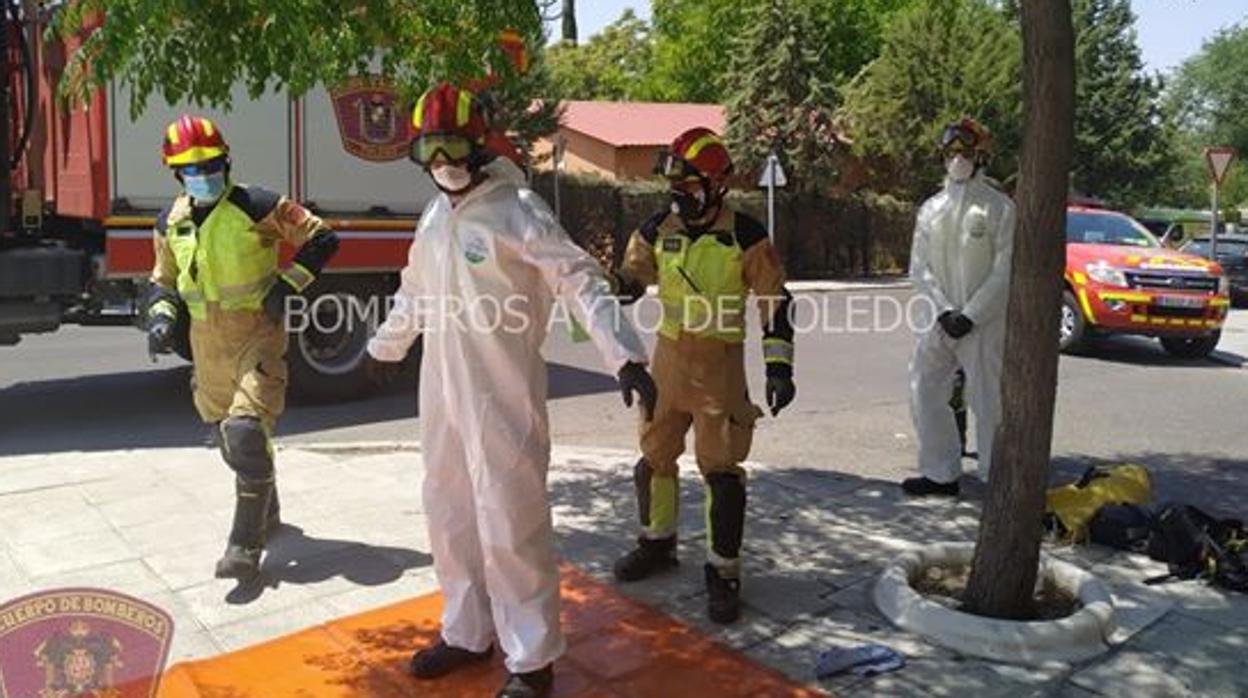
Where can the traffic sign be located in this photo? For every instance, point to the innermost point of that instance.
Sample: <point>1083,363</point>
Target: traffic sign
<point>1219,161</point>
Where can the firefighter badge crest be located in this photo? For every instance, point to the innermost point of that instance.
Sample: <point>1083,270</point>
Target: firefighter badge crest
<point>82,642</point>
<point>373,124</point>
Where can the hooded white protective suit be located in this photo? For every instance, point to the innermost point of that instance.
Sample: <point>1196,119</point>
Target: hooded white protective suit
<point>963,242</point>
<point>480,283</point>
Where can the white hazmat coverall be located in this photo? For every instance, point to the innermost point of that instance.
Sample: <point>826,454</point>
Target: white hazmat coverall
<point>963,242</point>
<point>480,283</point>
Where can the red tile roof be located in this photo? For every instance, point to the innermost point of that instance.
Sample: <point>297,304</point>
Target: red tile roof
<point>640,123</point>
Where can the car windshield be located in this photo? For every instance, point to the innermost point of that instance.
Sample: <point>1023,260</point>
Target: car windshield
<point>1226,248</point>
<point>1107,229</point>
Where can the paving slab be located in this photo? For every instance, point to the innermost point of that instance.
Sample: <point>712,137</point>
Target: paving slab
<point>152,523</point>
<point>73,552</point>
<point>1179,656</point>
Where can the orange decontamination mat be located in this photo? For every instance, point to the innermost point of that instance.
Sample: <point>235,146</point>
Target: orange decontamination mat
<point>617,648</point>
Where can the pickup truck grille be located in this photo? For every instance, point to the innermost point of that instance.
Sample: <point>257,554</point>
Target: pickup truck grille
<point>1162,311</point>
<point>1163,281</point>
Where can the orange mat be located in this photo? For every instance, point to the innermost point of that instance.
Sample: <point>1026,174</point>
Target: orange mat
<point>617,648</point>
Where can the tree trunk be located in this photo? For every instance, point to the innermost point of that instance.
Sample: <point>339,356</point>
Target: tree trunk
<point>1007,555</point>
<point>569,21</point>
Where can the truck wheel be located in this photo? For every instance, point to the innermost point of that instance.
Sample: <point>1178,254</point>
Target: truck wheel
<point>329,342</point>
<point>1191,347</point>
<point>1074,328</point>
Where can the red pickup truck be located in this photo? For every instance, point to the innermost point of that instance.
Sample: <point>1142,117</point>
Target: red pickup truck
<point>1121,280</point>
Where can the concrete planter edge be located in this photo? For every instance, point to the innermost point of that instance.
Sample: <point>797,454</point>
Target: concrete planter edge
<point>1076,638</point>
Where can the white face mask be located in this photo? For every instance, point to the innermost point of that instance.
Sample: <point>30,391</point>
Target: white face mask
<point>959,168</point>
<point>452,178</point>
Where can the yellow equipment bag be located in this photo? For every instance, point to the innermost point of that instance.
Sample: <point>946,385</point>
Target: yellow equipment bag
<point>1074,505</point>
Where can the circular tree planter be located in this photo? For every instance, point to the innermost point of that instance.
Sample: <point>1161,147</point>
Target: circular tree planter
<point>1077,637</point>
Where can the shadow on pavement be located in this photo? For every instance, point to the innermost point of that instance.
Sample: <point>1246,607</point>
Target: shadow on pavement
<point>153,409</point>
<point>815,543</point>
<point>293,557</point>
<point>1144,351</point>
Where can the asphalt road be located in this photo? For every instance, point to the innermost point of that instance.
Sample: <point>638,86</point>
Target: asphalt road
<point>91,389</point>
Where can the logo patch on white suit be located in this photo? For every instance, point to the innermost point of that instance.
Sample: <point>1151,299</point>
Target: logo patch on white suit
<point>476,251</point>
<point>977,223</point>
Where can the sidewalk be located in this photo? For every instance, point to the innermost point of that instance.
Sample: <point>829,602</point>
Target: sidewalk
<point>150,524</point>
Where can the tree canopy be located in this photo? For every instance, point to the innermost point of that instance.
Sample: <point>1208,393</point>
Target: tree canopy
<point>941,59</point>
<point>177,49</point>
<point>1124,150</point>
<point>612,65</point>
<point>782,94</point>
<point>1209,101</point>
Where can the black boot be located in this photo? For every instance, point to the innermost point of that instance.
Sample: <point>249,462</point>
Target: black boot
<point>531,684</point>
<point>242,556</point>
<point>923,487</point>
<point>723,596</point>
<point>440,659</point>
<point>650,556</point>
<point>273,520</point>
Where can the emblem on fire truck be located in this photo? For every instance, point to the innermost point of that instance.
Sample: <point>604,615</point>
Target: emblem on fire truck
<point>82,642</point>
<point>371,119</point>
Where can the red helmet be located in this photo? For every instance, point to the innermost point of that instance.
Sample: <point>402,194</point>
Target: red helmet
<point>450,121</point>
<point>447,110</point>
<point>967,134</point>
<point>702,151</point>
<point>191,140</point>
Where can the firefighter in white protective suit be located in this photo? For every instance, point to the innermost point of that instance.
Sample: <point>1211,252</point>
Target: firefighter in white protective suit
<point>960,266</point>
<point>487,262</point>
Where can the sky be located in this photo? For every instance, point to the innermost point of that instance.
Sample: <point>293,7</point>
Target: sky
<point>1169,30</point>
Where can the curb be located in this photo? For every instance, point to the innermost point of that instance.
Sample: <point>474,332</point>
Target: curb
<point>351,447</point>
<point>889,284</point>
<point>1075,638</point>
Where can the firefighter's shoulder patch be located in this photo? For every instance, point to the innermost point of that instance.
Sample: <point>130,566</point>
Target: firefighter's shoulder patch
<point>256,202</point>
<point>748,230</point>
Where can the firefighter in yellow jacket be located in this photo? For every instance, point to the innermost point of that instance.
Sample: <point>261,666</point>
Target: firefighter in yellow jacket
<point>217,250</point>
<point>706,259</point>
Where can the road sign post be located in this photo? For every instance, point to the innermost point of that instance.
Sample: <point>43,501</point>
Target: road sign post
<point>773,177</point>
<point>1219,161</point>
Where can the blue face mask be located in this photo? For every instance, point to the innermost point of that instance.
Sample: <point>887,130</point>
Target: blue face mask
<point>205,189</point>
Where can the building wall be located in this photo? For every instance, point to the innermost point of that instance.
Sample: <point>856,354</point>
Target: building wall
<point>584,155</point>
<point>637,162</point>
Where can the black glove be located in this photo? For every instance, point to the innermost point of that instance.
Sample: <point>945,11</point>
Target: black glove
<point>634,377</point>
<point>275,300</point>
<point>955,324</point>
<point>381,373</point>
<point>159,335</point>
<point>780,387</point>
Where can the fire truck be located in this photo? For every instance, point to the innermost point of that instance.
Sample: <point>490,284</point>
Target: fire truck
<point>85,183</point>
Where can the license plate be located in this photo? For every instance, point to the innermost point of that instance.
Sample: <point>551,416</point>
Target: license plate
<point>1179,302</point>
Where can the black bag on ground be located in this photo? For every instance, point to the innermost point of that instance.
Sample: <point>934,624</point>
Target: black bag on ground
<point>1195,544</point>
<point>1122,526</point>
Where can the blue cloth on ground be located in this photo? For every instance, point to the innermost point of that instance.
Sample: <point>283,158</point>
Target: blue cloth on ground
<point>864,660</point>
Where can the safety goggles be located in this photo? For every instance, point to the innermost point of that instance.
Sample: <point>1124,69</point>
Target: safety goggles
<point>207,167</point>
<point>677,168</point>
<point>956,139</point>
<point>430,147</point>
